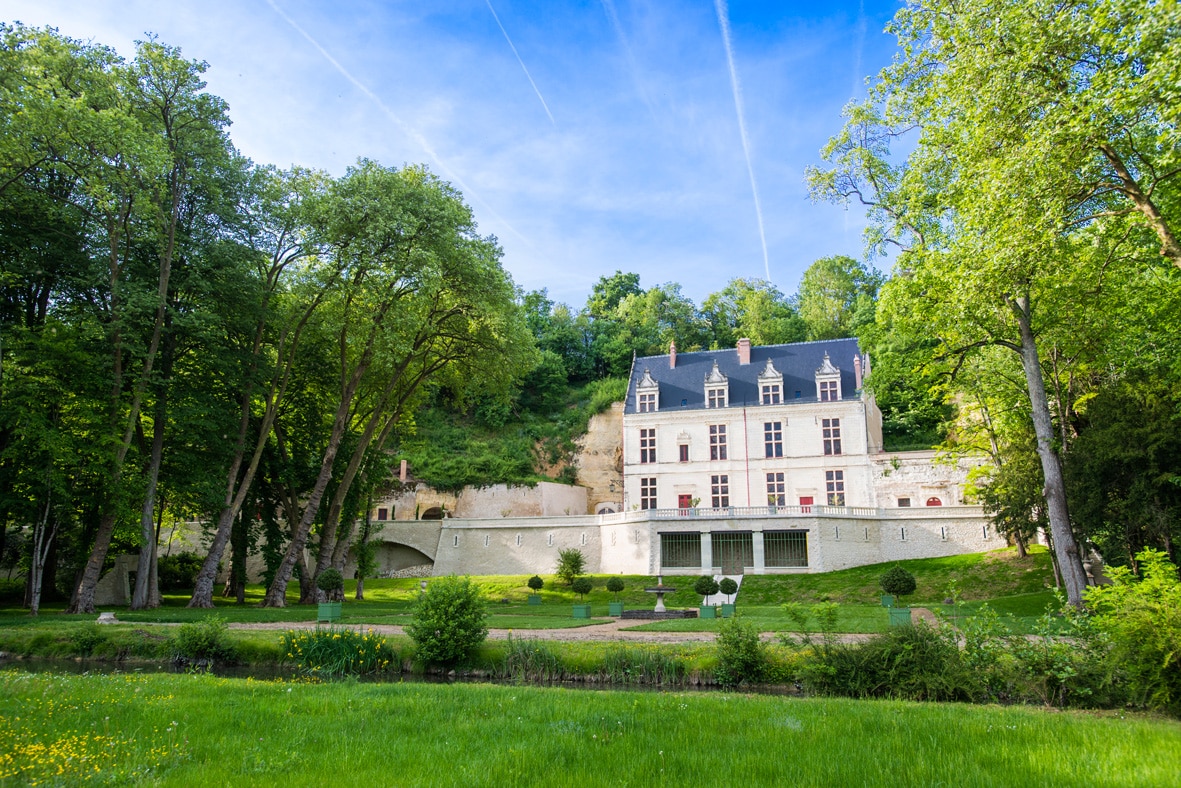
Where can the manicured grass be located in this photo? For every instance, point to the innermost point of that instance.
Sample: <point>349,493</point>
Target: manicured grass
<point>977,576</point>
<point>202,730</point>
<point>864,619</point>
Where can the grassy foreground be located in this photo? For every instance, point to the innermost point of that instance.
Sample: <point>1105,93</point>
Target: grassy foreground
<point>190,730</point>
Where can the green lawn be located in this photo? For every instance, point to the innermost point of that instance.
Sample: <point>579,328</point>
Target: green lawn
<point>202,730</point>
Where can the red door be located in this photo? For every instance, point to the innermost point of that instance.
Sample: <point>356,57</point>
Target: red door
<point>805,503</point>
<point>684,503</point>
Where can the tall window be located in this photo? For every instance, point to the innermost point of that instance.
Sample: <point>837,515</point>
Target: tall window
<point>832,435</point>
<point>773,438</point>
<point>717,441</point>
<point>684,447</point>
<point>834,485</point>
<point>771,395</point>
<point>648,402</point>
<point>648,493</point>
<point>715,398</point>
<point>648,445</point>
<point>828,391</point>
<point>719,487</point>
<point>776,493</point>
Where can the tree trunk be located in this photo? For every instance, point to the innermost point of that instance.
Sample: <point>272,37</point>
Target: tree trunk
<point>1065,546</point>
<point>144,574</point>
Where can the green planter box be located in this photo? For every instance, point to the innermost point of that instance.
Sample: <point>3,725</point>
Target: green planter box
<point>727,611</point>
<point>534,599</point>
<point>615,608</point>
<point>707,612</point>
<point>329,611</point>
<point>582,611</point>
<point>899,616</point>
<point>887,600</point>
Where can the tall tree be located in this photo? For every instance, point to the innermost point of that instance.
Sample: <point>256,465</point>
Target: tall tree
<point>1045,151</point>
<point>422,296</point>
<point>837,296</point>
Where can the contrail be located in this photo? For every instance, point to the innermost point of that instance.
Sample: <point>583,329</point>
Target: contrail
<point>613,17</point>
<point>724,21</point>
<point>858,79</point>
<point>522,62</point>
<point>406,129</point>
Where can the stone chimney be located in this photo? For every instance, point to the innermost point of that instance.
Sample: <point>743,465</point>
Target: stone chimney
<point>744,351</point>
<point>402,474</point>
<point>857,370</point>
<point>672,355</point>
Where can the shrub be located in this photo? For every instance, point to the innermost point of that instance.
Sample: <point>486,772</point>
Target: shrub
<point>86,638</point>
<point>705,586</point>
<point>206,640</point>
<point>728,587</point>
<point>330,580</point>
<point>615,585</point>
<point>449,620</point>
<point>12,591</point>
<point>571,564</point>
<point>1141,618</point>
<point>897,581</point>
<point>582,586</point>
<point>742,656</point>
<point>535,583</point>
<point>178,572</point>
<point>338,652</point>
<point>911,663</point>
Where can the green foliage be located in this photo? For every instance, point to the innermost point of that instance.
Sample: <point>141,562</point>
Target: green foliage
<point>1141,619</point>
<point>87,638</point>
<point>642,665</point>
<point>897,581</point>
<point>742,657</point>
<point>705,586</point>
<point>913,662</point>
<point>532,660</point>
<point>728,586</point>
<point>178,571</point>
<point>571,564</point>
<point>615,585</point>
<point>204,640</point>
<point>582,586</point>
<point>449,620</point>
<point>535,583</point>
<point>333,651</point>
<point>330,580</point>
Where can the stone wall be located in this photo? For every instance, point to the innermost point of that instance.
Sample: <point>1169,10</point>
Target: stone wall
<point>600,461</point>
<point>920,476</point>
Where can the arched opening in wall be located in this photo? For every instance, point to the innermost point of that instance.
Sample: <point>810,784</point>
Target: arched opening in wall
<point>392,557</point>
<point>433,513</point>
<point>606,508</point>
<point>934,502</point>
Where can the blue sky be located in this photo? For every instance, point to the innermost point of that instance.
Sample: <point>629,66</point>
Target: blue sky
<point>587,136</point>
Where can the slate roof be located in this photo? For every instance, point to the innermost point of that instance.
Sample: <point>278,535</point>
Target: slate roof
<point>683,388</point>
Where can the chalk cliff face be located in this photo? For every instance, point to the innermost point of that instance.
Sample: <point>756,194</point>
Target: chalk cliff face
<point>600,461</point>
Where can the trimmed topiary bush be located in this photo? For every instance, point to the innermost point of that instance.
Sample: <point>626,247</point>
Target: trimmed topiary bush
<point>330,580</point>
<point>728,587</point>
<point>897,581</point>
<point>705,586</point>
<point>615,585</point>
<point>535,583</point>
<point>450,620</point>
<point>582,586</point>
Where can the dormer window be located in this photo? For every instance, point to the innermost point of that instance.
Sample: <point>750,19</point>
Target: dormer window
<point>717,387</point>
<point>646,394</point>
<point>828,381</point>
<point>770,385</point>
